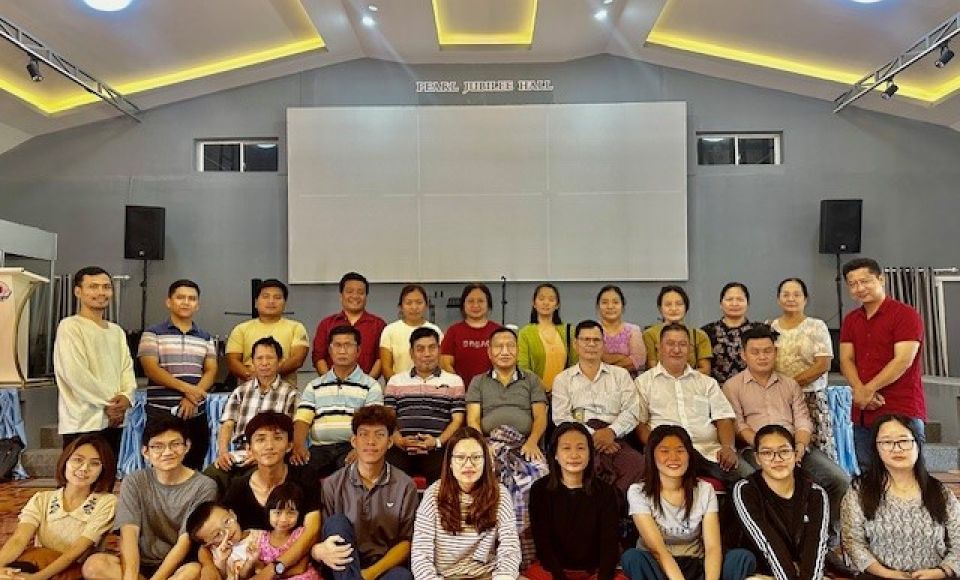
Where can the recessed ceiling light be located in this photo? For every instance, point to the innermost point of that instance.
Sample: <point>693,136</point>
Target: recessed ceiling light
<point>372,8</point>
<point>368,21</point>
<point>608,1</point>
<point>108,5</point>
<point>600,14</point>
<point>866,1</point>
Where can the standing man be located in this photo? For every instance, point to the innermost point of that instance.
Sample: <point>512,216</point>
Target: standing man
<point>180,362</point>
<point>353,301</point>
<point>292,335</point>
<point>879,348</point>
<point>93,366</point>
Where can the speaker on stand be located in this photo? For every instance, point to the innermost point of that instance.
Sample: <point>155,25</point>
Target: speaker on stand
<point>840,228</point>
<point>143,239</point>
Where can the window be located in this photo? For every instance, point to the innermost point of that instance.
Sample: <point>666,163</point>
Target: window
<point>237,155</point>
<point>738,148</point>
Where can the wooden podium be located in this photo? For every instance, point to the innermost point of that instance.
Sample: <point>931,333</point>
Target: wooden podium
<point>17,286</point>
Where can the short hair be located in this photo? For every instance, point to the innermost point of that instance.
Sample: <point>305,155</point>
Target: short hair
<point>273,283</point>
<point>803,286</point>
<point>759,332</point>
<point>373,415</point>
<point>267,341</point>
<point>342,330</point>
<point>269,420</point>
<point>556,313</point>
<point>611,288</point>
<point>503,330</point>
<point>108,470</point>
<point>674,327</point>
<point>410,289</point>
<point>673,288</point>
<point>423,332</point>
<point>470,288</point>
<point>355,277</point>
<point>773,429</point>
<point>198,517</point>
<point>163,424</point>
<point>287,493</point>
<point>584,325</point>
<point>869,263</point>
<point>182,283</point>
<point>88,271</point>
<point>731,285</point>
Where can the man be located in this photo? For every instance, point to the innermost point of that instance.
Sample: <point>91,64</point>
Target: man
<point>761,396</point>
<point>430,407</point>
<point>292,336</point>
<point>180,361</point>
<point>879,355</point>
<point>673,393</point>
<point>153,508</point>
<point>329,402</point>
<point>92,363</point>
<point>368,507</point>
<point>353,302</point>
<point>604,398</point>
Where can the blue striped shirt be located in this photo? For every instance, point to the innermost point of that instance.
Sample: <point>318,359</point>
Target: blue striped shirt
<point>328,402</point>
<point>182,354</point>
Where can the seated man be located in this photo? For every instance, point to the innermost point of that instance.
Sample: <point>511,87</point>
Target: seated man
<point>153,509</point>
<point>674,393</point>
<point>328,403</point>
<point>761,396</point>
<point>430,407</point>
<point>604,398</point>
<point>368,507</point>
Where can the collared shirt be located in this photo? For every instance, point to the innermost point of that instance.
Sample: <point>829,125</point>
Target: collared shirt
<point>328,402</point>
<point>382,516</point>
<point>247,400</point>
<point>425,405</point>
<point>611,397</point>
<point>58,529</point>
<point>873,342</point>
<point>182,354</point>
<point>289,333</point>
<point>369,325</point>
<point>506,405</point>
<point>693,401</point>
<point>780,402</point>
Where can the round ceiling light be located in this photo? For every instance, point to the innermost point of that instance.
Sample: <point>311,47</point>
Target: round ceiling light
<point>108,5</point>
<point>866,1</point>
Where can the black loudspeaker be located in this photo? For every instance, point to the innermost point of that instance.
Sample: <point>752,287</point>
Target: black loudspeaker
<point>144,233</point>
<point>840,221</point>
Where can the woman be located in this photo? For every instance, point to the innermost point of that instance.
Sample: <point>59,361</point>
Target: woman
<point>575,516</point>
<point>465,524</point>
<point>395,338</point>
<point>785,515</point>
<point>622,341</point>
<point>677,517</point>
<point>673,304</point>
<point>898,521</point>
<point>544,344</point>
<point>59,528</point>
<point>464,348</point>
<point>724,334</point>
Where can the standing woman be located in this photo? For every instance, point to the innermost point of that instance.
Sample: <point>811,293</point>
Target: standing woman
<point>575,516</point>
<point>673,304</point>
<point>465,526</point>
<point>59,528</point>
<point>724,334</point>
<point>677,517</point>
<point>463,351</point>
<point>395,338</point>
<point>898,521</point>
<point>544,344</point>
<point>622,341</point>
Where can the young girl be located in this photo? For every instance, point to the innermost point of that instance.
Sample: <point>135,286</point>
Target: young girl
<point>286,508</point>
<point>677,517</point>
<point>395,338</point>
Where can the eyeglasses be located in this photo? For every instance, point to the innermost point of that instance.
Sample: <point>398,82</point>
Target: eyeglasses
<point>343,346</point>
<point>864,283</point>
<point>473,459</point>
<point>78,462</point>
<point>221,534</point>
<point>591,340</point>
<point>898,444</point>
<point>175,446</point>
<point>781,454</point>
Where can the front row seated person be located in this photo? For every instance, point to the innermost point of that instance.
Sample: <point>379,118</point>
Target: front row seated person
<point>368,507</point>
<point>153,509</point>
<point>429,403</point>
<point>328,403</point>
<point>58,528</point>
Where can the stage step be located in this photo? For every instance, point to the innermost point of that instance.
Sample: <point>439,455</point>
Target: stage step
<point>940,457</point>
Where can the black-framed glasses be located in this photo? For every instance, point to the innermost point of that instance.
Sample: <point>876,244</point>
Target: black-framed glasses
<point>898,444</point>
<point>781,454</point>
<point>463,459</point>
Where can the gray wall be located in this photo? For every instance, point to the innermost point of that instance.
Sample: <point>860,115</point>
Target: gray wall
<point>756,225</point>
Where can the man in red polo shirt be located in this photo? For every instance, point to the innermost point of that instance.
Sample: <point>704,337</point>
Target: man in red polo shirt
<point>353,301</point>
<point>879,355</point>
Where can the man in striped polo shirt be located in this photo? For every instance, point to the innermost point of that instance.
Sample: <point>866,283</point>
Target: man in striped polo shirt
<point>180,362</point>
<point>328,402</point>
<point>430,407</point>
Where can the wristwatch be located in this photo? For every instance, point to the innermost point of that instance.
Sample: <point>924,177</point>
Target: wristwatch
<point>279,567</point>
<point>439,444</point>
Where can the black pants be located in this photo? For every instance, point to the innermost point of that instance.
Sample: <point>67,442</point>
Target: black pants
<point>112,436</point>
<point>199,432</point>
<point>428,465</point>
<point>325,459</point>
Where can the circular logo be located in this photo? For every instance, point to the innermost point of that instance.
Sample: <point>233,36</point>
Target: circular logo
<point>5,291</point>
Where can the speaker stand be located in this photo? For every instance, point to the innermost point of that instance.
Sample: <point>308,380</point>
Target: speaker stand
<point>838,279</point>
<point>143,298</point>
<point>503,300</point>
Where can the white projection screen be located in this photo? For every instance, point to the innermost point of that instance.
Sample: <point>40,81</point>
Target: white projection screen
<point>593,192</point>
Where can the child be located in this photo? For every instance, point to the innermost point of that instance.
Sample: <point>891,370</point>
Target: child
<point>286,507</point>
<point>234,551</point>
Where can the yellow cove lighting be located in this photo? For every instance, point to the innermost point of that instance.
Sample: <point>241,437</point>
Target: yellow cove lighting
<point>522,36</point>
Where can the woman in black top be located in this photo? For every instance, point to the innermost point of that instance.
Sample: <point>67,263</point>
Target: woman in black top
<point>725,333</point>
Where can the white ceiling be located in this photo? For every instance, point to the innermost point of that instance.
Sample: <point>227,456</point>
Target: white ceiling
<point>153,38</point>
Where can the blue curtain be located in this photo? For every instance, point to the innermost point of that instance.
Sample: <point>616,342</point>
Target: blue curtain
<point>840,398</point>
<point>11,422</point>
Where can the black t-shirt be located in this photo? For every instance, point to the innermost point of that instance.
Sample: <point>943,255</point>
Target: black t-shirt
<point>252,515</point>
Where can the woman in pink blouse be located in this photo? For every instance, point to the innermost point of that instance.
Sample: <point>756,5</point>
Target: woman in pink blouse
<point>622,341</point>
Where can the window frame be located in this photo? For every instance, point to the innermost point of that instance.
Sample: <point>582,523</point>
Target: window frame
<point>776,136</point>
<point>240,143</point>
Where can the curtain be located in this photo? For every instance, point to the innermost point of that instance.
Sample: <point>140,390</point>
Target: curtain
<point>917,287</point>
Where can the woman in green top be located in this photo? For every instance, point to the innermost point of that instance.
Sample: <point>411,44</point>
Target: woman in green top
<point>544,344</point>
<point>673,303</point>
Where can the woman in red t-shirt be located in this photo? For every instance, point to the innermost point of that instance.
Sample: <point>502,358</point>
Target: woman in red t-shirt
<point>464,347</point>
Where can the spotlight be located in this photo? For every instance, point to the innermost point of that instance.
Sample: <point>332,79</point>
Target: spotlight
<point>368,21</point>
<point>946,55</point>
<point>888,92</point>
<point>33,69</point>
<point>600,14</point>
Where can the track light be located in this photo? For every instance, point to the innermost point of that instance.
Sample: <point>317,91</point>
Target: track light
<point>946,55</point>
<point>33,68</point>
<point>888,92</point>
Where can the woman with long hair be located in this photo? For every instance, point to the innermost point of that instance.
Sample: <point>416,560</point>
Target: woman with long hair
<point>574,514</point>
<point>677,517</point>
<point>545,345</point>
<point>673,304</point>
<point>725,333</point>
<point>464,347</point>
<point>59,528</point>
<point>898,521</point>
<point>622,341</point>
<point>395,338</point>
<point>465,525</point>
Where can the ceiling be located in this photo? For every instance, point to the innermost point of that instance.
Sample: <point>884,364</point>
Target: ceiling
<point>161,51</point>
